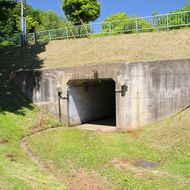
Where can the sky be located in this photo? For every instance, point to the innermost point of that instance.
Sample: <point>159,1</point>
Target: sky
<point>109,7</point>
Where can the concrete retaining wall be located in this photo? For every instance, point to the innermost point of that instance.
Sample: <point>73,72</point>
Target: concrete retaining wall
<point>155,90</point>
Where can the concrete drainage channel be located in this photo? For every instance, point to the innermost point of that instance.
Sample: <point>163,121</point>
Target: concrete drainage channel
<point>35,159</point>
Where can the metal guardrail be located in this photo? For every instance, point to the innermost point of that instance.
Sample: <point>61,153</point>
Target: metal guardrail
<point>134,24</point>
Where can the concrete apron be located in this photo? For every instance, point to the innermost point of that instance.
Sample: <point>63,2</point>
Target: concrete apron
<point>93,127</point>
<point>105,125</point>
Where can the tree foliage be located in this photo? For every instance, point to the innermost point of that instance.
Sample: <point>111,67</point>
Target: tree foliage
<point>176,19</point>
<point>187,6</point>
<point>32,17</point>
<point>122,23</point>
<point>49,20</point>
<point>10,11</point>
<point>81,10</point>
<point>7,17</point>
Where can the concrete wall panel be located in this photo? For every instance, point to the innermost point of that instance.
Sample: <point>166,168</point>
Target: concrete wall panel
<point>156,90</point>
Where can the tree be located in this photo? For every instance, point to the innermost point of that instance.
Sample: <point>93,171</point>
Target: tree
<point>122,23</point>
<point>176,19</point>
<point>187,6</point>
<point>49,20</point>
<point>32,18</point>
<point>7,19</point>
<point>115,23</point>
<point>84,11</point>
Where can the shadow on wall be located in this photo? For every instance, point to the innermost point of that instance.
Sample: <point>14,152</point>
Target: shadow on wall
<point>14,59</point>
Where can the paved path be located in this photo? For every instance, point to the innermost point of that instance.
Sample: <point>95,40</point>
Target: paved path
<point>105,125</point>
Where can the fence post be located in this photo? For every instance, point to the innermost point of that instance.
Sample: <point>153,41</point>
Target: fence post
<point>49,32</point>
<point>167,18</point>
<point>110,30</point>
<point>66,30</point>
<point>33,36</point>
<point>136,24</point>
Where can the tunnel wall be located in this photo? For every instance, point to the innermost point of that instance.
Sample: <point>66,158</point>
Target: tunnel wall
<point>92,103</point>
<point>156,90</point>
<point>40,87</point>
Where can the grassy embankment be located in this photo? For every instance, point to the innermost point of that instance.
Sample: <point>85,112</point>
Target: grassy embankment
<point>17,119</point>
<point>109,159</point>
<point>174,44</point>
<point>17,171</point>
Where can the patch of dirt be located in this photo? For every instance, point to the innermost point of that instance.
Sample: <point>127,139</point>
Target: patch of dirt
<point>11,157</point>
<point>121,163</point>
<point>137,166</point>
<point>39,126</point>
<point>135,133</point>
<point>4,141</point>
<point>81,180</point>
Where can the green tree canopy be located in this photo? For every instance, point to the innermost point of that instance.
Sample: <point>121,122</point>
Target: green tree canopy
<point>187,6</point>
<point>7,18</point>
<point>176,19</point>
<point>122,23</point>
<point>115,22</point>
<point>49,20</point>
<point>10,11</point>
<point>116,17</point>
<point>85,10</point>
<point>32,18</point>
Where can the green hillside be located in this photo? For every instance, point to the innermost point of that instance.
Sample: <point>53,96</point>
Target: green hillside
<point>174,44</point>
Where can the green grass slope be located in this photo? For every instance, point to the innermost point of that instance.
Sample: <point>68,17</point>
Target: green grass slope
<point>17,171</point>
<point>111,157</point>
<point>17,119</point>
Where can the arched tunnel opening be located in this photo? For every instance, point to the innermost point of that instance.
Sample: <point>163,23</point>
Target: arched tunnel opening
<point>92,101</point>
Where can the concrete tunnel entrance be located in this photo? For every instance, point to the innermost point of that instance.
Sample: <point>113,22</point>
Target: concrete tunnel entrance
<point>92,101</point>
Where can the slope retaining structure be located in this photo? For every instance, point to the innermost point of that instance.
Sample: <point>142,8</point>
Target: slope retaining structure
<point>131,94</point>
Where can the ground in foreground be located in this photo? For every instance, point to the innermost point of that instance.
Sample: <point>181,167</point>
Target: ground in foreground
<point>96,160</point>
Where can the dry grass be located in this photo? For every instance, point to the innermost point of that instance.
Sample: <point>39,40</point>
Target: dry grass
<point>171,132</point>
<point>110,49</point>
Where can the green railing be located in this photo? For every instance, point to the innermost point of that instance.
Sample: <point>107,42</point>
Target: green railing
<point>135,24</point>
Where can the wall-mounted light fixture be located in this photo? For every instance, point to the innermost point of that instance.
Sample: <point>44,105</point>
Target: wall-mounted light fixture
<point>60,93</point>
<point>124,89</point>
<point>95,74</point>
<point>60,96</point>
